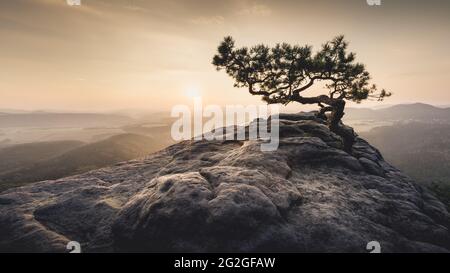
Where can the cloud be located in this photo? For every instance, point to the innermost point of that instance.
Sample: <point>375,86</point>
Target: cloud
<point>208,20</point>
<point>136,8</point>
<point>257,9</point>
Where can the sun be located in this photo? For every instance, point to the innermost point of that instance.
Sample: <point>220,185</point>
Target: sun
<point>192,92</point>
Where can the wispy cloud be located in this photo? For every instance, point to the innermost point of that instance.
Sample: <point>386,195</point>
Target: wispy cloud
<point>256,9</point>
<point>208,20</point>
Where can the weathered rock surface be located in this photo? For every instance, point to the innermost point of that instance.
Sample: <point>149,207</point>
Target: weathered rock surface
<point>195,196</point>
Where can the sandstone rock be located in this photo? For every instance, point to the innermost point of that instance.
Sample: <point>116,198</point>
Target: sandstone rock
<point>229,196</point>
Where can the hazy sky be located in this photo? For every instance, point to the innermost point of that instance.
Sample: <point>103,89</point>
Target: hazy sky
<point>114,54</point>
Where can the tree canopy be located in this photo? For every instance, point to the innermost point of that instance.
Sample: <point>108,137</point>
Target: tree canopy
<point>282,74</point>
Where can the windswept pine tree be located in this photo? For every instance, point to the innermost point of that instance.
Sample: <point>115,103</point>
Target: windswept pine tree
<point>283,73</point>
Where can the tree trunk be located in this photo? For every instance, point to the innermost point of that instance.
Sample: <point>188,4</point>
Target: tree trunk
<point>335,125</point>
<point>336,106</point>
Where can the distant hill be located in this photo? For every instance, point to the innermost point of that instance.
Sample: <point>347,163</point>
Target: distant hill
<point>421,150</point>
<point>5,142</point>
<point>12,111</point>
<point>416,111</point>
<point>22,155</point>
<point>61,120</point>
<point>81,159</point>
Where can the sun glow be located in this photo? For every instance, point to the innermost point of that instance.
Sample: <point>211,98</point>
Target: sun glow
<point>192,92</point>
